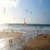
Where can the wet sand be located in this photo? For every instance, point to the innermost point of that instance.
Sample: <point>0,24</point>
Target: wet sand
<point>10,34</point>
<point>9,38</point>
<point>40,42</point>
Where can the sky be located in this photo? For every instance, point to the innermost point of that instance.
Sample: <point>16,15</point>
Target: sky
<point>14,11</point>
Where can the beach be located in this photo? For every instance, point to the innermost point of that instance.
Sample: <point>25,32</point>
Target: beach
<point>40,42</point>
<point>16,36</point>
<point>10,34</point>
<point>8,39</point>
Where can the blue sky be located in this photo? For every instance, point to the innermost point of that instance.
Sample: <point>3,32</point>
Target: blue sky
<point>37,7</point>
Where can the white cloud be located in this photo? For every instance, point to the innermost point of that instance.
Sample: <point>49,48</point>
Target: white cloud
<point>7,3</point>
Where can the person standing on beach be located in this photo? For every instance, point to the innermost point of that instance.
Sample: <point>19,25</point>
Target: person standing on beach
<point>37,32</point>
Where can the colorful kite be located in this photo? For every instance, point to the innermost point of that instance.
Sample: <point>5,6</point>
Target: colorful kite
<point>24,23</point>
<point>44,13</point>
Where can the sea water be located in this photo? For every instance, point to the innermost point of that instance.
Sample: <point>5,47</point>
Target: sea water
<point>29,28</point>
<point>29,32</point>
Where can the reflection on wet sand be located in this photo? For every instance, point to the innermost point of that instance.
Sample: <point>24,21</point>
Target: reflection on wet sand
<point>9,40</point>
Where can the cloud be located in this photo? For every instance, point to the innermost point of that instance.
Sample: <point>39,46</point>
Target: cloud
<point>7,3</point>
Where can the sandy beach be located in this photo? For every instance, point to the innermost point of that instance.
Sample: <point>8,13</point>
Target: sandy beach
<point>41,42</point>
<point>9,38</point>
<point>10,34</point>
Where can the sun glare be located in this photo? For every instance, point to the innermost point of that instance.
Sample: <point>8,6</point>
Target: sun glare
<point>7,3</point>
<point>4,5</point>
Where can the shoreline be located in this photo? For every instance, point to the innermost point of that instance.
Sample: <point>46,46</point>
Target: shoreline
<point>9,38</point>
<point>40,42</point>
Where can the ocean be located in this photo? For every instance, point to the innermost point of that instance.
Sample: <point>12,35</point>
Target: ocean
<point>29,32</point>
<point>30,28</point>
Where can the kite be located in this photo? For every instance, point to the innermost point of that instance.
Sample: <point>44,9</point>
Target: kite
<point>31,12</point>
<point>24,23</point>
<point>4,10</point>
<point>13,18</point>
<point>26,10</point>
<point>44,13</point>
